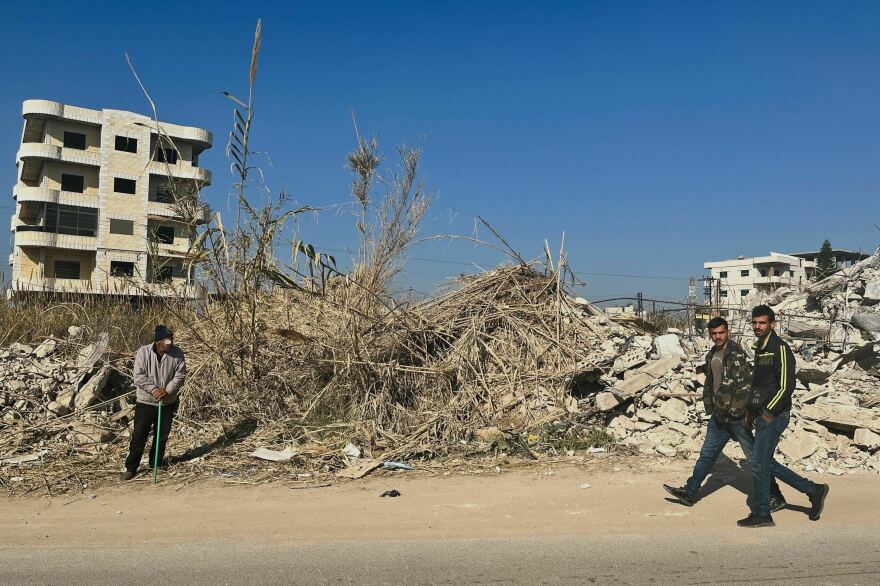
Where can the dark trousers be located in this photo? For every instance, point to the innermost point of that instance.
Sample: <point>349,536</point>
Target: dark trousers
<point>717,436</point>
<point>145,421</point>
<point>764,467</point>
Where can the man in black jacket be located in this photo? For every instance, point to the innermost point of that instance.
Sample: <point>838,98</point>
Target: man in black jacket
<point>772,386</point>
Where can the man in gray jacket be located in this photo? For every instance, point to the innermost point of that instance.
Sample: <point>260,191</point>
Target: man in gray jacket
<point>159,372</point>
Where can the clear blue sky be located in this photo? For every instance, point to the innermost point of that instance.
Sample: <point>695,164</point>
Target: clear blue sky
<point>656,135</point>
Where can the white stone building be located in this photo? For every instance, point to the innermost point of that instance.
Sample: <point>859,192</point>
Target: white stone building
<point>739,282</point>
<point>99,202</point>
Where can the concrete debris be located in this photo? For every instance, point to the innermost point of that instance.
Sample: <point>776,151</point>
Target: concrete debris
<point>606,401</point>
<point>38,385</point>
<point>669,345</point>
<point>674,410</point>
<point>865,438</point>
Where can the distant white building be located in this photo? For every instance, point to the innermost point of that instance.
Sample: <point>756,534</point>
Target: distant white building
<point>740,281</point>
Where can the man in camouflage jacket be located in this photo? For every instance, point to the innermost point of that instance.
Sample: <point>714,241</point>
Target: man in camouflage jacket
<point>726,397</point>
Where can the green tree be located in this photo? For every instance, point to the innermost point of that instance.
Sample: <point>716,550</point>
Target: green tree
<point>825,262</point>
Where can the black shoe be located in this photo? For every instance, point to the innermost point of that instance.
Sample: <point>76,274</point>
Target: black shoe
<point>817,501</point>
<point>777,503</point>
<point>756,521</point>
<point>127,475</point>
<point>681,494</point>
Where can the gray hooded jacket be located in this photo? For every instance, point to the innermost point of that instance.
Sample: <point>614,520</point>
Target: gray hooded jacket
<point>151,373</point>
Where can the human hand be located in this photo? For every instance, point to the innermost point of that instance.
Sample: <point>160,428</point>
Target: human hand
<point>159,394</point>
<point>766,417</point>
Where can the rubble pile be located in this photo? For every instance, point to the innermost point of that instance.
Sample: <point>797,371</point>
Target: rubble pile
<point>835,427</point>
<point>59,383</point>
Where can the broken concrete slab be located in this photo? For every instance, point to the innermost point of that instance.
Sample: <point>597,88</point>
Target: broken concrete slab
<point>845,417</point>
<point>90,393</point>
<point>674,410</point>
<point>645,376</point>
<point>866,438</point>
<point>798,445</point>
<point>606,401</point>
<point>669,345</point>
<point>869,323</point>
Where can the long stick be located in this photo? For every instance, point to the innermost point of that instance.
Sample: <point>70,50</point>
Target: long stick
<point>158,439</point>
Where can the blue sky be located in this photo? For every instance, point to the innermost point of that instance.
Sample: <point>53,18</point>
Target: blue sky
<point>655,135</point>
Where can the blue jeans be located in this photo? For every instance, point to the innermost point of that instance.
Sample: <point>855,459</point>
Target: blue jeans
<point>717,436</point>
<point>764,466</point>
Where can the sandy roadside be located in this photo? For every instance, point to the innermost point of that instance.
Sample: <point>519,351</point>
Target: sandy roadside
<point>532,501</point>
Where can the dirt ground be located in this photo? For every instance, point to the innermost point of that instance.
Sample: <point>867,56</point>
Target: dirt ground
<point>602,497</point>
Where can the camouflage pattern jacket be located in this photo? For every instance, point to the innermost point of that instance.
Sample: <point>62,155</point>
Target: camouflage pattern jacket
<point>731,401</point>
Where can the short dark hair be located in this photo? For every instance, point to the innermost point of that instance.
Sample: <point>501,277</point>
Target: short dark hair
<point>717,322</point>
<point>762,310</point>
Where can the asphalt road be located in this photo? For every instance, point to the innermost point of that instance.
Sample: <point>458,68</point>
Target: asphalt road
<point>731,556</point>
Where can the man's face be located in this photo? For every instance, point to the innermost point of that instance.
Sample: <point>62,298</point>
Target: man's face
<point>164,344</point>
<point>761,325</point>
<point>719,336</point>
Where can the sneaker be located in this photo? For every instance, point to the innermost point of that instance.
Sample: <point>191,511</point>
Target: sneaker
<point>754,520</point>
<point>127,475</point>
<point>817,501</point>
<point>681,494</point>
<point>777,503</point>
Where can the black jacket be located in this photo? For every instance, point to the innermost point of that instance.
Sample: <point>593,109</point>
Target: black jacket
<point>773,379</point>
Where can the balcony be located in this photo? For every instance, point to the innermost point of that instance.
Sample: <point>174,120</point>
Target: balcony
<point>51,109</point>
<point>50,152</point>
<point>24,193</point>
<point>134,288</point>
<point>164,211</point>
<point>26,235</point>
<point>180,171</point>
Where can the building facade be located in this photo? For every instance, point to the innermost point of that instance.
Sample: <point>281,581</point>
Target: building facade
<point>102,202</point>
<point>740,282</point>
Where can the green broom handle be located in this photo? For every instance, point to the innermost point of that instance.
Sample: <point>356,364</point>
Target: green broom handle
<point>158,439</point>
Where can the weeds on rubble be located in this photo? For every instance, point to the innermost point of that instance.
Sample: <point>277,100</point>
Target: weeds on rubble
<point>565,435</point>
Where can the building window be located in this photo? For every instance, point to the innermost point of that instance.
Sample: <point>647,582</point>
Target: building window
<point>122,227</point>
<point>165,234</point>
<point>763,272</point>
<point>73,220</point>
<point>124,185</point>
<point>164,194</point>
<point>163,274</point>
<point>791,273</point>
<point>75,183</point>
<point>743,292</point>
<point>75,140</point>
<point>66,269</point>
<point>722,275</point>
<point>120,268</point>
<point>744,273</point>
<point>166,156</point>
<point>722,293</point>
<point>126,144</point>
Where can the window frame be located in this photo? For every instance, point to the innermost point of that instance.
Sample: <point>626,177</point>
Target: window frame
<point>127,143</point>
<point>70,176</point>
<point>114,272</point>
<point>123,182</point>
<point>118,221</point>
<point>78,264</point>
<point>71,134</point>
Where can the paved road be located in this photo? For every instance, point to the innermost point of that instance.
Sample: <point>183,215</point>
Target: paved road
<point>759,556</point>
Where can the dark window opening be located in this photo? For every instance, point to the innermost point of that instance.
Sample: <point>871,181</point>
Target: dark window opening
<point>126,144</point>
<point>166,156</point>
<point>722,275</point>
<point>66,269</point>
<point>743,292</point>
<point>73,220</point>
<point>164,194</point>
<point>124,185</point>
<point>75,140</point>
<point>122,227</point>
<point>75,183</point>
<point>165,234</point>
<point>724,293</point>
<point>744,273</point>
<point>120,268</point>
<point>163,274</point>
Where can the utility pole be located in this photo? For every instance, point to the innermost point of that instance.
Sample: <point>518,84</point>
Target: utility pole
<point>640,304</point>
